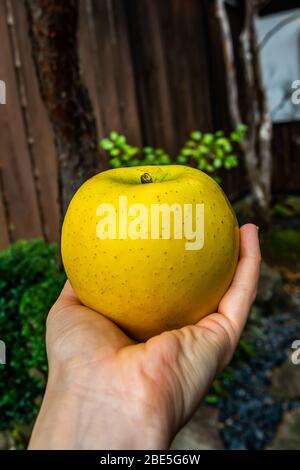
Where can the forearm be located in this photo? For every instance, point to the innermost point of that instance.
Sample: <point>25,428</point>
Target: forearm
<point>73,417</point>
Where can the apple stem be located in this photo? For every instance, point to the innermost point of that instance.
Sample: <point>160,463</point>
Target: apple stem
<point>146,178</point>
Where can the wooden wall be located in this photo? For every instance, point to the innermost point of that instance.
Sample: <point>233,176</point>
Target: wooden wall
<point>153,71</point>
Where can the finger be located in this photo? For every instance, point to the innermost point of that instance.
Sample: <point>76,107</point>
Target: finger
<point>67,297</point>
<point>236,303</point>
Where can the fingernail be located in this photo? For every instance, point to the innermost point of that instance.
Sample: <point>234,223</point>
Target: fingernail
<point>257,227</point>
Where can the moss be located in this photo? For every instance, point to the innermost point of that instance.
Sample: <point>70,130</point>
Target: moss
<point>287,207</point>
<point>282,246</point>
<point>30,281</point>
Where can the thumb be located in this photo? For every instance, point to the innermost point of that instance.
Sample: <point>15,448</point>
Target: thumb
<point>207,348</point>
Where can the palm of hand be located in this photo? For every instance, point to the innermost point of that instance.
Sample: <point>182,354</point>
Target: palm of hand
<point>168,375</point>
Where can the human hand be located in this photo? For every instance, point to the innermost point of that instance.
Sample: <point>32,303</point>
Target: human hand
<point>106,391</point>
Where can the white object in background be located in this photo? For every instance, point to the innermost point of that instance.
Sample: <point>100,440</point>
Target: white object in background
<point>279,45</point>
<point>2,92</point>
<point>2,352</point>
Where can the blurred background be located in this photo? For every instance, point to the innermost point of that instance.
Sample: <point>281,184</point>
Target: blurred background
<point>95,84</point>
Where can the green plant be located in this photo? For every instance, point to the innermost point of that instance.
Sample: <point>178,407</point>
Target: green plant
<point>209,151</point>
<point>123,154</point>
<point>30,280</point>
<point>282,246</point>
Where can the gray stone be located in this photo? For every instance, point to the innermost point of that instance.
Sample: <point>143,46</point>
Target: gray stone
<point>288,432</point>
<point>201,432</point>
<point>286,381</point>
<point>270,282</point>
<point>294,203</point>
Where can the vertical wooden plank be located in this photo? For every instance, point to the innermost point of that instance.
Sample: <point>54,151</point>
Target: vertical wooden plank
<point>198,63</point>
<point>278,154</point>
<point>4,239</point>
<point>14,157</point>
<point>219,105</point>
<point>151,73</point>
<point>286,162</point>
<point>286,154</point>
<point>176,50</point>
<point>43,147</point>
<point>4,229</point>
<point>124,74</point>
<point>163,126</point>
<point>107,67</point>
<point>294,167</point>
<point>184,44</point>
<point>104,69</point>
<point>137,28</point>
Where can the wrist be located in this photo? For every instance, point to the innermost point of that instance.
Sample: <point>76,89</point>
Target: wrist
<point>79,413</point>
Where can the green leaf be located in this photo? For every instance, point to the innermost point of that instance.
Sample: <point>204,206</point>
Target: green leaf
<point>220,141</point>
<point>227,147</point>
<point>235,137</point>
<point>201,164</point>
<point>239,133</point>
<point>115,162</point>
<point>196,135</point>
<point>242,128</point>
<point>217,162</point>
<point>227,164</point>
<point>165,159</point>
<point>207,139</point>
<point>121,140</point>
<point>189,144</point>
<point>115,152</point>
<point>106,144</point>
<point>211,399</point>
<point>209,168</point>
<point>126,148</point>
<point>150,159</point>
<point>219,134</point>
<point>135,162</point>
<point>224,144</point>
<point>203,149</point>
<point>148,150</point>
<point>132,151</point>
<point>219,153</point>
<point>235,161</point>
<point>182,159</point>
<point>187,152</point>
<point>114,135</point>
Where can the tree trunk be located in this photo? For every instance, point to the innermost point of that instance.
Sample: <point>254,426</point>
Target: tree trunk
<point>259,120</point>
<point>53,26</point>
<point>256,147</point>
<point>228,56</point>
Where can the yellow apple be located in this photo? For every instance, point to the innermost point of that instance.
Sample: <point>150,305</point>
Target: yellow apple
<point>152,248</point>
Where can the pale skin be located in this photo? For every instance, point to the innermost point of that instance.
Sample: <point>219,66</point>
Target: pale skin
<point>106,391</point>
